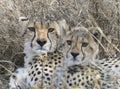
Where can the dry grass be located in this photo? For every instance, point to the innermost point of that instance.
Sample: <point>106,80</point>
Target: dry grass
<point>104,14</point>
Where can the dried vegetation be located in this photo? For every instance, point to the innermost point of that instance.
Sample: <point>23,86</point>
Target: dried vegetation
<point>104,14</point>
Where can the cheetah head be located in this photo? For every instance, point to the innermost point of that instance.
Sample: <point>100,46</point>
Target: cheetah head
<point>82,47</point>
<point>46,36</point>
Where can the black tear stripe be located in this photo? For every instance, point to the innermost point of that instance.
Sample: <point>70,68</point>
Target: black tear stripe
<point>50,41</point>
<point>33,38</point>
<point>57,41</point>
<point>83,54</point>
<point>68,49</point>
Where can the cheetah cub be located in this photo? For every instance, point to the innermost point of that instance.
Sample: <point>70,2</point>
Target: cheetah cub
<point>43,52</point>
<point>77,72</point>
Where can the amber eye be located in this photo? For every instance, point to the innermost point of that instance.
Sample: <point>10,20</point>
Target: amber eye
<point>51,29</point>
<point>69,42</point>
<point>84,44</point>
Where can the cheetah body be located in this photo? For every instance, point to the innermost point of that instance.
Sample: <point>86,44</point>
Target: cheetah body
<point>42,69</point>
<point>110,65</point>
<point>84,77</point>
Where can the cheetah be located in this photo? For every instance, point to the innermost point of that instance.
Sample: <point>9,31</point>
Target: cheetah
<point>42,67</point>
<point>43,51</point>
<point>82,51</point>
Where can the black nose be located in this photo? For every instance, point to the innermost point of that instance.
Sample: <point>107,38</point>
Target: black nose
<point>41,42</point>
<point>74,54</point>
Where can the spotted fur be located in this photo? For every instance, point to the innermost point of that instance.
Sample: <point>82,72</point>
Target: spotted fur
<point>110,65</point>
<point>42,69</point>
<point>83,77</point>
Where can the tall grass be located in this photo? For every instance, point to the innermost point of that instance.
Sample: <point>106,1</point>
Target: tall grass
<point>104,14</point>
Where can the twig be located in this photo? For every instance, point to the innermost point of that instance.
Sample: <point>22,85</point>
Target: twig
<point>6,69</point>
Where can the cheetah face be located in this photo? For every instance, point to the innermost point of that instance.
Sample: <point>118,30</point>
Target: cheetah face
<point>40,40</point>
<point>81,47</point>
<point>46,37</point>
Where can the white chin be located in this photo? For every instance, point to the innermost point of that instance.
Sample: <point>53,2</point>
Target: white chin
<point>42,51</point>
<point>37,50</point>
<point>76,61</point>
<point>71,62</point>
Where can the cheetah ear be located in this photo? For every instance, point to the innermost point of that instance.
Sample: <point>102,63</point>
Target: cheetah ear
<point>64,27</point>
<point>23,21</point>
<point>97,33</point>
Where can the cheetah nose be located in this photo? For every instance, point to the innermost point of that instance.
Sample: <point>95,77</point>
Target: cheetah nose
<point>41,42</point>
<point>74,54</point>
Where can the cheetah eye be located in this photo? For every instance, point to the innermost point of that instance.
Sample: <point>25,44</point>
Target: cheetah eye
<point>51,29</point>
<point>69,42</point>
<point>31,29</point>
<point>84,44</point>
